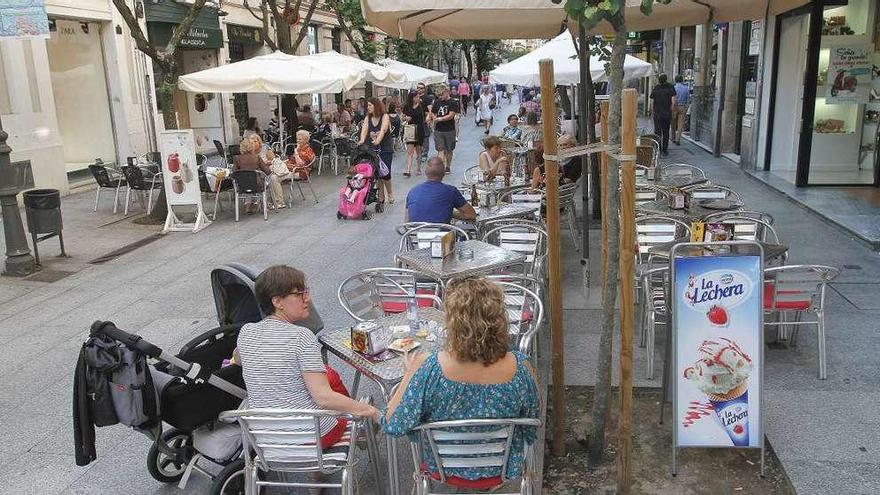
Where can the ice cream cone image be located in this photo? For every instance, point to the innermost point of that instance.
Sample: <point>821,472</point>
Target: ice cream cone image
<point>722,373</point>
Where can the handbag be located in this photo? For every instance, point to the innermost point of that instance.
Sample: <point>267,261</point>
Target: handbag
<point>409,133</point>
<point>492,103</point>
<point>384,171</point>
<point>279,168</point>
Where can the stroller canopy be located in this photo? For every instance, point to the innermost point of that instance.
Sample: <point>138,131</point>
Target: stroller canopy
<point>234,296</point>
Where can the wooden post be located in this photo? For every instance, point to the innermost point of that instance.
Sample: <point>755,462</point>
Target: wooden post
<point>627,272</point>
<point>603,177</point>
<point>557,338</point>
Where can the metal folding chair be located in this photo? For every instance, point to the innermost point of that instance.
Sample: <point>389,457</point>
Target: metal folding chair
<point>713,191</point>
<point>525,238</point>
<point>366,294</point>
<point>250,184</point>
<point>293,178</point>
<point>141,179</point>
<point>798,290</point>
<point>567,203</point>
<point>470,443</point>
<point>420,236</point>
<point>288,442</point>
<point>107,178</point>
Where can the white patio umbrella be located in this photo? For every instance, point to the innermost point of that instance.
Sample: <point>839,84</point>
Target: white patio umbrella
<point>276,73</point>
<point>566,66</point>
<point>501,19</point>
<point>374,73</point>
<point>414,74</point>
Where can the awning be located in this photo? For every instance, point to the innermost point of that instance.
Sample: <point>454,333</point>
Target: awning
<point>414,74</point>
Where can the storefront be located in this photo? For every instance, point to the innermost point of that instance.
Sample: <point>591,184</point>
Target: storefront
<point>824,102</point>
<point>247,42</point>
<point>198,50</point>
<point>79,85</point>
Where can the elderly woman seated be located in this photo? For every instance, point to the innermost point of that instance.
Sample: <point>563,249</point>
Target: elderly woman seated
<point>569,170</point>
<point>476,377</point>
<point>300,161</point>
<point>281,361</point>
<point>493,161</point>
<point>253,157</point>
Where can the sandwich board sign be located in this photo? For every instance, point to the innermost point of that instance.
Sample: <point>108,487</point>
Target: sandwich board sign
<point>181,180</point>
<point>718,342</point>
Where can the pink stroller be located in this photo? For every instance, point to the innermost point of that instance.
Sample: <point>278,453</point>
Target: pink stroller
<point>358,192</point>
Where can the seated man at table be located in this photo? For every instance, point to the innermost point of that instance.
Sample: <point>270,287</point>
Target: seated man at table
<point>435,202</point>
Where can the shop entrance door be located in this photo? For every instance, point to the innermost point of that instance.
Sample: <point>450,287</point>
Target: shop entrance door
<point>82,105</point>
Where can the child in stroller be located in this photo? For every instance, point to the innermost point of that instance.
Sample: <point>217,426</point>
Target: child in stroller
<point>361,187</point>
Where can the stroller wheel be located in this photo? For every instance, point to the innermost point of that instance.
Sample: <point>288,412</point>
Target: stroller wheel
<point>169,468</point>
<point>380,207</point>
<point>230,481</point>
<point>338,216</point>
<point>365,215</point>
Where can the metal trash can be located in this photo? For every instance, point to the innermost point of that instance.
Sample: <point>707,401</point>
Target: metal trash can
<point>43,211</point>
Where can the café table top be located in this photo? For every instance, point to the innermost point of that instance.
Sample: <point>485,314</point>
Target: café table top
<point>503,211</point>
<point>338,342</point>
<point>669,182</point>
<point>661,207</point>
<point>771,251</point>
<point>486,259</point>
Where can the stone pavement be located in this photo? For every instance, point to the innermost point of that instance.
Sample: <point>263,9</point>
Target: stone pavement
<point>825,432</point>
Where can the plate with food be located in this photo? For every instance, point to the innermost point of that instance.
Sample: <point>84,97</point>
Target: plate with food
<point>404,345</point>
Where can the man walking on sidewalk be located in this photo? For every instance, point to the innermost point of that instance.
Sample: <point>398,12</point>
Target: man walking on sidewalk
<point>664,98</point>
<point>445,110</point>
<point>680,112</point>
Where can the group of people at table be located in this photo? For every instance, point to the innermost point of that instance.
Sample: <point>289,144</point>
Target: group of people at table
<point>475,376</point>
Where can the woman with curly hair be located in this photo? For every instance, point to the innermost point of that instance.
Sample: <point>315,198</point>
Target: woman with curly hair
<point>474,377</point>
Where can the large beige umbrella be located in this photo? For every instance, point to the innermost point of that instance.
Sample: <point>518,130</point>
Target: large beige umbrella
<point>510,19</point>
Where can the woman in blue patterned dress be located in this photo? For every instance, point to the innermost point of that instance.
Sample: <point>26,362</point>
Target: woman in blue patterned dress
<point>475,377</point>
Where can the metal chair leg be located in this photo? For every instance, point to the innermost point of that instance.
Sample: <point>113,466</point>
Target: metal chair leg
<point>216,204</point>
<point>649,347</point>
<point>300,187</point>
<point>309,182</point>
<point>265,207</point>
<point>373,456</point>
<point>97,197</point>
<point>127,200</point>
<point>116,199</point>
<point>820,337</point>
<point>236,206</point>
<point>150,201</point>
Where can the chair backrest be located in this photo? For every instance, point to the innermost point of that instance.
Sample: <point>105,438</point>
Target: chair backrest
<point>204,185</point>
<point>646,193</point>
<point>683,170</point>
<point>747,228</point>
<point>757,215</point>
<point>249,181</point>
<point>102,175</point>
<point>391,280</point>
<point>469,443</point>
<point>220,149</point>
<point>420,237</point>
<point>525,313</point>
<point>361,295</point>
<point>233,150</point>
<point>526,239</point>
<point>201,160</point>
<point>288,440</point>
<point>655,229</point>
<point>797,284</point>
<point>523,195</point>
<point>135,177</point>
<point>566,192</point>
<point>473,175</point>
<point>713,191</point>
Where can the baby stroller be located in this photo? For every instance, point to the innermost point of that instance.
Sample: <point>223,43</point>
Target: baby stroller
<point>353,205</point>
<point>191,389</point>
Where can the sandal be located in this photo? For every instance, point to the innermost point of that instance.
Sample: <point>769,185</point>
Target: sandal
<point>406,174</point>
<point>391,200</point>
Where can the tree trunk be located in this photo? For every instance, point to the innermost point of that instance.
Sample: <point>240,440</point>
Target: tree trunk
<point>166,98</point>
<point>602,395</point>
<point>470,62</point>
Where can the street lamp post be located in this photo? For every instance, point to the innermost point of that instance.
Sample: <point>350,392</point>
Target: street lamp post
<point>19,261</point>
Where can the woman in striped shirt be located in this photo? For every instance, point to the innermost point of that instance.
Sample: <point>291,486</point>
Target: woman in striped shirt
<point>281,361</point>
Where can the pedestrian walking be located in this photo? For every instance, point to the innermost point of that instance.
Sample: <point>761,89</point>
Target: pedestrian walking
<point>427,98</point>
<point>464,92</point>
<point>376,132</point>
<point>664,98</point>
<point>414,115</point>
<point>485,106</point>
<point>443,114</point>
<point>680,111</point>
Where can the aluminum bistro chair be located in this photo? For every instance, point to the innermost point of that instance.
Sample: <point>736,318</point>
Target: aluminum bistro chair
<point>469,443</point>
<point>141,179</point>
<point>393,301</point>
<point>654,310</point>
<point>757,215</point>
<point>798,290</point>
<point>524,195</point>
<point>747,228</point>
<point>525,315</point>
<point>646,193</point>
<point>648,151</point>
<point>287,441</point>
<point>107,178</point>
<point>567,203</point>
<point>250,184</point>
<point>365,294</point>
<point>713,191</point>
<point>420,237</point>
<point>683,170</point>
<point>472,175</point>
<point>292,179</point>
<point>652,230</point>
<point>524,238</point>
<point>225,185</point>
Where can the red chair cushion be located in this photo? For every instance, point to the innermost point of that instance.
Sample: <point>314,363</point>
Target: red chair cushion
<point>769,295</point>
<point>478,484</point>
<point>400,306</point>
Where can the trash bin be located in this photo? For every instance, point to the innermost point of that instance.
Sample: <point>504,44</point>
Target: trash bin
<point>43,211</point>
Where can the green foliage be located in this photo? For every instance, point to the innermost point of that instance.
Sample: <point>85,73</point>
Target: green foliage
<point>487,54</point>
<point>351,19</point>
<point>594,12</point>
<point>417,52</point>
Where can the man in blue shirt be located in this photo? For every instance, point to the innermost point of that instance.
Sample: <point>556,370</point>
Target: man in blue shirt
<point>680,112</point>
<point>435,202</point>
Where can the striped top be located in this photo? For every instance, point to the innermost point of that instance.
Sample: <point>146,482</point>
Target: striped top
<point>274,356</point>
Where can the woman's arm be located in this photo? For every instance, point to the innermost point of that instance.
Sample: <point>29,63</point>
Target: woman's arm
<point>364,131</point>
<point>413,362</point>
<point>537,178</point>
<point>327,398</point>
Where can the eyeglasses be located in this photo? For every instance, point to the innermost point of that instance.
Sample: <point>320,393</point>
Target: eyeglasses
<point>302,293</point>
